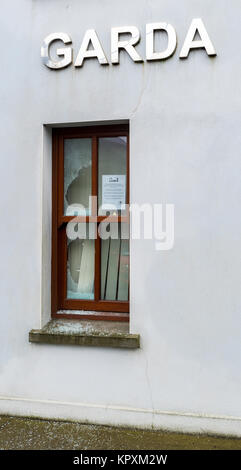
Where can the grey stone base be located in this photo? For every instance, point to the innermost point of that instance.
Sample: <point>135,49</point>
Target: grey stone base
<point>86,333</point>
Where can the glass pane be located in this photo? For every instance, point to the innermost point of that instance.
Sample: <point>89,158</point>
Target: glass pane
<point>80,263</point>
<point>77,176</point>
<point>112,173</point>
<point>115,262</point>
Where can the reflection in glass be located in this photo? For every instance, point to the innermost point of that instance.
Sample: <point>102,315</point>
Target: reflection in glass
<point>81,268</point>
<point>77,176</point>
<point>115,265</point>
<point>112,162</point>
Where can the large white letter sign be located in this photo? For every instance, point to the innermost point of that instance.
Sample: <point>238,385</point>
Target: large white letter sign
<point>125,44</point>
<point>97,51</point>
<point>66,52</point>
<point>197,26</point>
<point>172,41</point>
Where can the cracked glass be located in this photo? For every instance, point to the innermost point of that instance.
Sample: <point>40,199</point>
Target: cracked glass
<point>77,176</point>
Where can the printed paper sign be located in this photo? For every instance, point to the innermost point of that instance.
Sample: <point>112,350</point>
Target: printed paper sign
<point>113,191</point>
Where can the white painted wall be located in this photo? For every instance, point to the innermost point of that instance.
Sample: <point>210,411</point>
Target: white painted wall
<point>185,125</point>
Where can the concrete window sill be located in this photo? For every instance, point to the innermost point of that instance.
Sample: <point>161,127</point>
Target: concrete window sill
<point>86,333</point>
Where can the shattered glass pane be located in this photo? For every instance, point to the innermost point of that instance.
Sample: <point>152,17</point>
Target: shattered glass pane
<point>77,176</point>
<point>115,262</point>
<point>81,265</point>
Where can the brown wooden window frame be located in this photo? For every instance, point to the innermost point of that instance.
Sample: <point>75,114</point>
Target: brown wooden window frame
<point>104,309</point>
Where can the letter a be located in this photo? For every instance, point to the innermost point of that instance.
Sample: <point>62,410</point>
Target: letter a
<point>205,42</point>
<point>97,51</point>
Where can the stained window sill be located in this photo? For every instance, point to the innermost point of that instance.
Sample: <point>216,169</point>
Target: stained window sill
<point>86,333</point>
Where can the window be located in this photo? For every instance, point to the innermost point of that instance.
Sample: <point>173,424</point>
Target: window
<point>90,229</point>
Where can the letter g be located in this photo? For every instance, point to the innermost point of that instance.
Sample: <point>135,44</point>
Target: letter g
<point>66,52</point>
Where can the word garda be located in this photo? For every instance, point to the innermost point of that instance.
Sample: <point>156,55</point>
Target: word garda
<point>96,50</point>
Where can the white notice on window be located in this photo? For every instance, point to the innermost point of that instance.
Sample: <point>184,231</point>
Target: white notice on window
<point>113,191</point>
